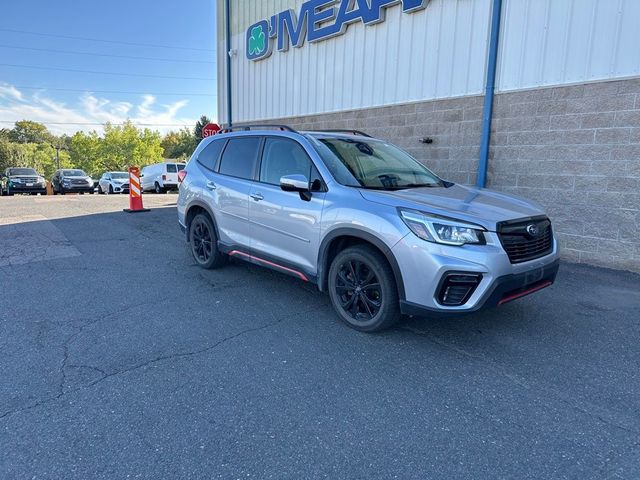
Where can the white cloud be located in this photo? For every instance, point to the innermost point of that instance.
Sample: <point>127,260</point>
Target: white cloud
<point>9,91</point>
<point>90,109</point>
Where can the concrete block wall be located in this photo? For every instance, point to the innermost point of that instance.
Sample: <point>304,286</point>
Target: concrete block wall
<point>574,149</point>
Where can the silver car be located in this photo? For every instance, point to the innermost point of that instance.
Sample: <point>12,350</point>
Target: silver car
<point>364,221</point>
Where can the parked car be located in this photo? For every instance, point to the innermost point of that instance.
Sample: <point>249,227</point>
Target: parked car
<point>114,182</point>
<point>363,220</point>
<point>69,180</point>
<point>160,177</point>
<point>22,180</point>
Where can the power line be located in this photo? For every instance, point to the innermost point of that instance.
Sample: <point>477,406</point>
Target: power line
<point>89,124</point>
<point>121,92</point>
<point>72,70</point>
<point>132,57</point>
<point>70,37</point>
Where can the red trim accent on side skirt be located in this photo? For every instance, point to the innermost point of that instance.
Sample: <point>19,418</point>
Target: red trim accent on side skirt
<point>301,276</point>
<point>526,292</point>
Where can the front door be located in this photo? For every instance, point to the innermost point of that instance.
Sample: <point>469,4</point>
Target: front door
<point>285,225</point>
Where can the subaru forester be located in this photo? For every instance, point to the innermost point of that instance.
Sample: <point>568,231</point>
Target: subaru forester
<point>364,221</point>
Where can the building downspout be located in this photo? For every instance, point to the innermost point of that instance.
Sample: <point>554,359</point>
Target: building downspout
<point>487,113</point>
<point>228,58</point>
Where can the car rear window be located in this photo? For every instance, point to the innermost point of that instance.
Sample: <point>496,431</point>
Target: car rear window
<point>240,156</point>
<point>171,168</point>
<point>208,157</point>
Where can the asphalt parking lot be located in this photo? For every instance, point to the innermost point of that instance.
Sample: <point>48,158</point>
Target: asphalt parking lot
<point>122,359</point>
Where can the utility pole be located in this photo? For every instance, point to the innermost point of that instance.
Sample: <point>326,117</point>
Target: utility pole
<point>58,148</point>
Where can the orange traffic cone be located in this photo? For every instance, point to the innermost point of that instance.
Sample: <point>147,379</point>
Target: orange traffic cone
<point>135,192</point>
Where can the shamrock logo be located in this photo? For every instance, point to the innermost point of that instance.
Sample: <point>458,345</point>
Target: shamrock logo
<point>257,40</point>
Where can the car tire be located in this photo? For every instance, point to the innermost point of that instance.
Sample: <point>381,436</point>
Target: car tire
<point>100,191</point>
<point>110,189</point>
<point>203,243</point>
<point>363,289</point>
<point>157,188</point>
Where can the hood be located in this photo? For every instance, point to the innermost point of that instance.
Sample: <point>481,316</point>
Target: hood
<point>480,206</point>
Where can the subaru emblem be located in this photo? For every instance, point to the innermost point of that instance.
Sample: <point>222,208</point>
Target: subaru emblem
<point>533,230</point>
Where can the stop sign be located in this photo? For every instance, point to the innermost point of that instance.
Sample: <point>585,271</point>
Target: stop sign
<point>210,129</point>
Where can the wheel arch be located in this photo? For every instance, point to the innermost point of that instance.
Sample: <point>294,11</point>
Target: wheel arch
<point>199,207</point>
<point>342,238</point>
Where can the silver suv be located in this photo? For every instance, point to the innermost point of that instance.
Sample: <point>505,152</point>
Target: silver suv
<point>364,221</point>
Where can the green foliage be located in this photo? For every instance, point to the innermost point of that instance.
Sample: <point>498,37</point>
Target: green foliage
<point>197,131</point>
<point>30,144</point>
<point>179,145</point>
<point>26,131</point>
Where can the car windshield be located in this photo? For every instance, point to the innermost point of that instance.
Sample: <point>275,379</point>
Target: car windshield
<point>119,175</point>
<point>73,173</point>
<point>22,171</point>
<point>375,164</point>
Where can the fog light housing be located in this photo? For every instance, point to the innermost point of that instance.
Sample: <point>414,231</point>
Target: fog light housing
<point>456,288</point>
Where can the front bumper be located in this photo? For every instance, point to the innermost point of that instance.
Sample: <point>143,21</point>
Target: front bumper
<point>505,289</point>
<point>424,265</point>
<point>22,188</point>
<point>77,188</point>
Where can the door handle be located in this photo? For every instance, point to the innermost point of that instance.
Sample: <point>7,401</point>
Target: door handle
<point>257,197</point>
<point>211,185</point>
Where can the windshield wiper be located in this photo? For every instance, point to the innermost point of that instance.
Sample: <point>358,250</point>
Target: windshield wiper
<point>418,185</point>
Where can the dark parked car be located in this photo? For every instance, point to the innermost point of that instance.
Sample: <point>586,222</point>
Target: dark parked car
<point>22,180</point>
<point>71,181</point>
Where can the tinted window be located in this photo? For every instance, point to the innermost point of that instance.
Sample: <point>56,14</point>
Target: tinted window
<point>181,166</point>
<point>239,158</point>
<point>22,171</point>
<point>283,157</point>
<point>209,156</point>
<point>171,168</point>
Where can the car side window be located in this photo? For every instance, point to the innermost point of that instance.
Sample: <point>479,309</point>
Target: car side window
<point>209,156</point>
<point>240,157</point>
<point>281,157</point>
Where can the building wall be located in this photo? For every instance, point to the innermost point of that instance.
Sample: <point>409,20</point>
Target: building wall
<point>438,52</point>
<point>574,149</point>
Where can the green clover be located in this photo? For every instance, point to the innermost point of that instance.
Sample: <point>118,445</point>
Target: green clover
<point>257,40</point>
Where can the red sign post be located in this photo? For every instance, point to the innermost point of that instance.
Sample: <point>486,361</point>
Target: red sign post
<point>210,129</point>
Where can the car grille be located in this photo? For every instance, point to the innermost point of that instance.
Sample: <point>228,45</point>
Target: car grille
<point>25,180</point>
<point>79,182</point>
<point>526,239</point>
<point>125,186</point>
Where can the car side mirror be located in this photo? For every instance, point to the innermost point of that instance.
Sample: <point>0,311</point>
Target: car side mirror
<point>294,183</point>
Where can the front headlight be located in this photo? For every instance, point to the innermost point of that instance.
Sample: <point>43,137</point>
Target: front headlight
<point>442,230</point>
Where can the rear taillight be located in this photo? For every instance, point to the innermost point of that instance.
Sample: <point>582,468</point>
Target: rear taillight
<point>181,175</point>
<point>164,177</point>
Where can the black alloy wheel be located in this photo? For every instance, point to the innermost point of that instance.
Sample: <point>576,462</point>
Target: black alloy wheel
<point>203,242</point>
<point>363,290</point>
<point>358,290</point>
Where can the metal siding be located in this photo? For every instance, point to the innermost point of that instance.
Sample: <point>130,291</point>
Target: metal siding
<point>555,42</point>
<point>434,53</point>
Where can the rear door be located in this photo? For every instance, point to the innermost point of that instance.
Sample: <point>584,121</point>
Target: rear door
<point>228,168</point>
<point>285,225</point>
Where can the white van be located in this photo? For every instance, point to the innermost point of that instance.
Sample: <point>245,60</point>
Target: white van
<point>160,177</point>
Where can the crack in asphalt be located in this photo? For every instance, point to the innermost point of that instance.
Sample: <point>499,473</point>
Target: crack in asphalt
<point>106,376</point>
<point>497,368</point>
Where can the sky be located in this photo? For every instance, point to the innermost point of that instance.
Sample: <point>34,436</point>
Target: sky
<point>53,70</point>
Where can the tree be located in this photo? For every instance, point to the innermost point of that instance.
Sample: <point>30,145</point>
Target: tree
<point>197,131</point>
<point>85,152</point>
<point>26,131</point>
<point>125,145</point>
<point>180,144</point>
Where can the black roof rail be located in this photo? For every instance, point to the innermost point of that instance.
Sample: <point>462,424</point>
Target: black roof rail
<point>346,130</point>
<point>247,128</point>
